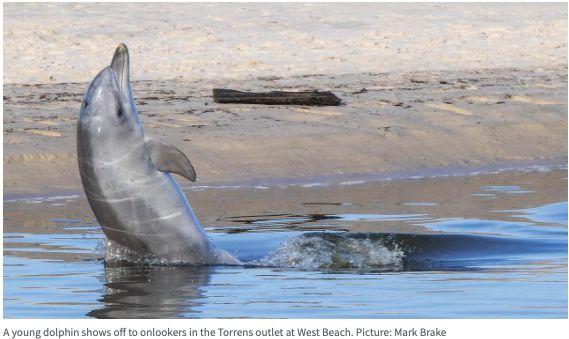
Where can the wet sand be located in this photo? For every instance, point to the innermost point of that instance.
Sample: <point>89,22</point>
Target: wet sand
<point>222,208</point>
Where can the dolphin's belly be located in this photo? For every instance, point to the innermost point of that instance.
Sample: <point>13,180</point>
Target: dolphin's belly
<point>150,213</point>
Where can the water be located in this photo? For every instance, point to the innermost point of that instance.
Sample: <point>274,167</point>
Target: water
<point>484,246</point>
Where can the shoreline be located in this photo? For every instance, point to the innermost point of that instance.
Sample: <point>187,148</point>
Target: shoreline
<point>221,208</point>
<point>334,180</point>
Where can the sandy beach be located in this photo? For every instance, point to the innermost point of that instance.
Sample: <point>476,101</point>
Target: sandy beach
<point>489,86</point>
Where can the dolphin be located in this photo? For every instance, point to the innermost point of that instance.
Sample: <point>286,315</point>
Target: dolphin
<point>126,176</point>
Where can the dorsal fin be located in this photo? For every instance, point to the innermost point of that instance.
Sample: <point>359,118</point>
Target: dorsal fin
<point>170,159</point>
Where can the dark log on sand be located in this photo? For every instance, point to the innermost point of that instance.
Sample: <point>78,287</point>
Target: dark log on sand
<point>226,96</point>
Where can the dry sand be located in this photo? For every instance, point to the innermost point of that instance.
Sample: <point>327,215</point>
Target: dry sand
<point>445,85</point>
<point>48,43</point>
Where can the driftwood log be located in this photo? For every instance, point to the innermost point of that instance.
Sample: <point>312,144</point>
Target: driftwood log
<point>226,96</point>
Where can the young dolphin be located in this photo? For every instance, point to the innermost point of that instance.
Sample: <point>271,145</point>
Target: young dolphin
<point>127,179</point>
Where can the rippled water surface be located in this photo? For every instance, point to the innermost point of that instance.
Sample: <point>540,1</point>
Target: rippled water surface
<point>483,246</point>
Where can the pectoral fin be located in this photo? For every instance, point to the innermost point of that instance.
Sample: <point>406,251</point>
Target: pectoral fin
<point>170,159</point>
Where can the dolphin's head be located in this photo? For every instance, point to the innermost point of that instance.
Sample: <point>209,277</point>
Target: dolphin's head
<point>108,112</point>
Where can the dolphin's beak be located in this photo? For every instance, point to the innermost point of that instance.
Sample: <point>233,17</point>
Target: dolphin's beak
<point>120,68</point>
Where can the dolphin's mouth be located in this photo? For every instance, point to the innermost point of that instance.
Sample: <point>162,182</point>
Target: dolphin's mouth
<point>120,68</point>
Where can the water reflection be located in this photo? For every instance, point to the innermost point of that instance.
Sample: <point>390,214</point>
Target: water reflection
<point>151,292</point>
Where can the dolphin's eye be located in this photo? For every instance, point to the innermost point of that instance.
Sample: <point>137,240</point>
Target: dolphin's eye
<point>120,113</point>
<point>86,103</point>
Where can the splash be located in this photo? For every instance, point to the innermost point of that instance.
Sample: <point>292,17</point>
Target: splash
<point>119,255</point>
<point>311,251</point>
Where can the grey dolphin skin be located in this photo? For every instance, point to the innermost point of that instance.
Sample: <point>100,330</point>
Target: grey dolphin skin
<point>127,180</point>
